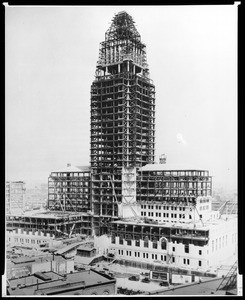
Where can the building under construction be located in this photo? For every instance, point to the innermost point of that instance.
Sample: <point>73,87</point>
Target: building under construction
<point>159,212</point>
<point>122,119</point>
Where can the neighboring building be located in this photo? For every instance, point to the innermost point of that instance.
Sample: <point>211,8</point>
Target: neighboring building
<point>89,282</point>
<point>122,119</point>
<point>23,266</point>
<point>15,196</point>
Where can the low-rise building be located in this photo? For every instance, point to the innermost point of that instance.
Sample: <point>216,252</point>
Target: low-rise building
<point>87,282</point>
<point>23,266</point>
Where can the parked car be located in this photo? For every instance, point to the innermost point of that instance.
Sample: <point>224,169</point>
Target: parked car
<point>146,279</point>
<point>164,283</point>
<point>134,278</point>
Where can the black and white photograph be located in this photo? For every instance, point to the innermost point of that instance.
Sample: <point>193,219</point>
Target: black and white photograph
<point>121,151</point>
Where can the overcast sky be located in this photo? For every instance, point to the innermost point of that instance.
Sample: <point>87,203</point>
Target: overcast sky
<point>51,55</point>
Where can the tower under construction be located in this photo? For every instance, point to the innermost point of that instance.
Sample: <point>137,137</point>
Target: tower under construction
<point>122,120</point>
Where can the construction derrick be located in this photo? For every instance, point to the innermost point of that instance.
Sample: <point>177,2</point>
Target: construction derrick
<point>122,115</point>
<point>229,281</point>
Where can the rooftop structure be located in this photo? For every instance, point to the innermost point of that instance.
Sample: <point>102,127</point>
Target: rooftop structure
<point>85,282</point>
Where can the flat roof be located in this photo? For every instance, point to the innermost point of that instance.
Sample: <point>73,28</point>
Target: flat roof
<point>171,167</point>
<point>28,284</point>
<point>25,260</point>
<point>86,248</point>
<point>69,247</point>
<point>73,169</point>
<point>48,214</point>
<point>198,224</point>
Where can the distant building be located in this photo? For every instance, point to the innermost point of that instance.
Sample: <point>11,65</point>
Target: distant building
<point>87,282</point>
<point>15,196</point>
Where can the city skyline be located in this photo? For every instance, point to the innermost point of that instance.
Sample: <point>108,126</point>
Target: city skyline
<point>51,54</point>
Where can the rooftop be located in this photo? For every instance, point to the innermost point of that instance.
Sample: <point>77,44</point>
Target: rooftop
<point>53,282</point>
<point>170,167</point>
<point>69,248</point>
<point>73,169</point>
<point>198,224</point>
<point>48,214</point>
<point>86,248</point>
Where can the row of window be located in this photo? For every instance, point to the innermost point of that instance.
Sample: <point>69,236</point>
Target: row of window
<point>165,215</point>
<point>154,256</point>
<point>162,207</point>
<point>204,200</point>
<point>28,241</point>
<point>204,207</point>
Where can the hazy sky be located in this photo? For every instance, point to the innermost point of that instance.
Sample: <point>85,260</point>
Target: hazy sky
<point>51,55</point>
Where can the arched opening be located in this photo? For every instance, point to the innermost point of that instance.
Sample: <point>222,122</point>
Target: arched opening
<point>164,243</point>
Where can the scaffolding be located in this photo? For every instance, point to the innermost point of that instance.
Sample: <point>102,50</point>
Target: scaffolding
<point>122,117</point>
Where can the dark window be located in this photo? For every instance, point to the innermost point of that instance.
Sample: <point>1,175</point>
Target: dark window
<point>129,243</point>
<point>121,241</point>
<point>200,252</point>
<point>154,245</point>
<point>186,248</point>
<point>200,263</point>
<point>137,243</point>
<point>173,259</point>
<point>163,244</point>
<point>173,249</point>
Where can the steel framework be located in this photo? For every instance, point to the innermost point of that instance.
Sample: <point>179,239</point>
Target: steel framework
<point>122,116</point>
